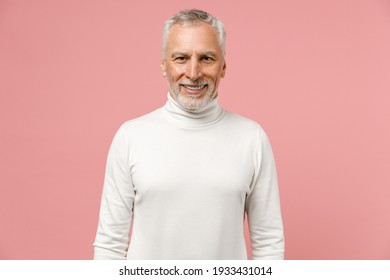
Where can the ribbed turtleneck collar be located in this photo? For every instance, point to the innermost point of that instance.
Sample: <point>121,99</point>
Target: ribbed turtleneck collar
<point>208,115</point>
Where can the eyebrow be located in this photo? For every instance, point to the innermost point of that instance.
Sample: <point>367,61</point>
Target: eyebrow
<point>176,54</point>
<point>203,54</point>
<point>211,54</point>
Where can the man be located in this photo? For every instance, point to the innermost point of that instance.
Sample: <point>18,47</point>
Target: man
<point>186,174</point>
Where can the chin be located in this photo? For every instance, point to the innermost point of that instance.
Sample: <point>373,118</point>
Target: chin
<point>193,104</point>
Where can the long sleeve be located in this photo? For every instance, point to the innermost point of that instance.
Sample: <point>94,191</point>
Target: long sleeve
<point>263,205</point>
<point>112,238</point>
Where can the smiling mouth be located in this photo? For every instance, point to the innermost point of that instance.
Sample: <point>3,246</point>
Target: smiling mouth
<point>194,88</point>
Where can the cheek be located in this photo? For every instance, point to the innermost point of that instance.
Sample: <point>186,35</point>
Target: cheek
<point>216,78</point>
<point>172,81</point>
<point>175,72</point>
<point>215,74</point>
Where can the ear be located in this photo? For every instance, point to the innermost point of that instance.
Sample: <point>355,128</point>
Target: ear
<point>163,67</point>
<point>223,69</point>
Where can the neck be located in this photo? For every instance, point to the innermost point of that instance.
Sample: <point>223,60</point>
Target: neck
<point>212,112</point>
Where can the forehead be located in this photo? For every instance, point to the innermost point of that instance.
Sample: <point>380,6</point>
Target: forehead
<point>193,37</point>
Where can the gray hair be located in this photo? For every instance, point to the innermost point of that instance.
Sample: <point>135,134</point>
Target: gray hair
<point>194,17</point>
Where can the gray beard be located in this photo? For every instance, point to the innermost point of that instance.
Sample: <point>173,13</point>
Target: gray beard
<point>193,104</point>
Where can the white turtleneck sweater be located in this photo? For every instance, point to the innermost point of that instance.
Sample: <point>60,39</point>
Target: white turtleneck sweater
<point>185,179</point>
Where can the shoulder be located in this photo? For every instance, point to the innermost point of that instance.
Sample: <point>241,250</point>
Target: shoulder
<point>250,133</point>
<point>250,128</point>
<point>138,127</point>
<point>142,124</point>
<point>141,121</point>
<point>243,124</point>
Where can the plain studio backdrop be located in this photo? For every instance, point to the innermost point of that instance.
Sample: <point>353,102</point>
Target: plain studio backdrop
<point>314,74</point>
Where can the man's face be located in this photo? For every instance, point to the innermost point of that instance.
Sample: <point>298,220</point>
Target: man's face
<point>193,64</point>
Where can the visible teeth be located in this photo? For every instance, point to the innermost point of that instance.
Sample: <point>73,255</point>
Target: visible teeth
<point>194,88</point>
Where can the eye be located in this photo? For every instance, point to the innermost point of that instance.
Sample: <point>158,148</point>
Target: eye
<point>207,59</point>
<point>180,59</point>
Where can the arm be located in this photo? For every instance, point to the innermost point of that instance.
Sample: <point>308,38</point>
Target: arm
<point>116,209</point>
<point>263,205</point>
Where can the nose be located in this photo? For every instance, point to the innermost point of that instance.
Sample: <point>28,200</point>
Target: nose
<point>193,70</point>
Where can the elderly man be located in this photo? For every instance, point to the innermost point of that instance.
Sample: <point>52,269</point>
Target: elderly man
<point>186,174</point>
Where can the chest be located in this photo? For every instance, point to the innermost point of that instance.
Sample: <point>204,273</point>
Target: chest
<point>191,163</point>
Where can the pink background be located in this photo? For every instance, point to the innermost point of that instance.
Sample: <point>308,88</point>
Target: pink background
<point>315,74</point>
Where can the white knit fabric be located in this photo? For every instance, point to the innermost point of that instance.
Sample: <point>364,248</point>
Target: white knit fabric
<point>185,180</point>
